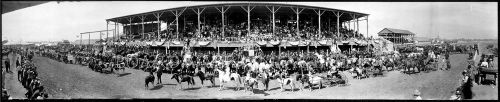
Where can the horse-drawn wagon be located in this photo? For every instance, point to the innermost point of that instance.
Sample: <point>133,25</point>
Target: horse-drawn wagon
<point>486,73</point>
<point>336,79</point>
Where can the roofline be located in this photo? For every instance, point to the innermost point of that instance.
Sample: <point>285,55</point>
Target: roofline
<point>235,4</point>
<point>393,32</point>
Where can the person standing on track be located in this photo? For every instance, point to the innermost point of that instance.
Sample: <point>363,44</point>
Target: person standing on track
<point>159,71</point>
<point>7,65</point>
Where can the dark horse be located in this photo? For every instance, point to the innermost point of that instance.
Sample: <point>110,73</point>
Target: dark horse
<point>183,78</point>
<point>149,79</point>
<point>207,76</point>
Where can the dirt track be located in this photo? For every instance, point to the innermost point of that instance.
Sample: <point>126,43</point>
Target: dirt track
<point>74,81</point>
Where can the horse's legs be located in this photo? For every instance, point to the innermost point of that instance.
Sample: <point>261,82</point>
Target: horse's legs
<point>320,84</point>
<point>202,81</point>
<point>159,78</point>
<point>267,84</point>
<point>282,82</point>
<point>239,83</point>
<point>221,84</point>
<point>192,80</point>
<point>212,81</point>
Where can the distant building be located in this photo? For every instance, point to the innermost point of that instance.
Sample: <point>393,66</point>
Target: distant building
<point>397,36</point>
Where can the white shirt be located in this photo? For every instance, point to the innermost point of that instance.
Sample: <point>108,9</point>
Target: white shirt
<point>261,66</point>
<point>485,64</point>
<point>255,66</point>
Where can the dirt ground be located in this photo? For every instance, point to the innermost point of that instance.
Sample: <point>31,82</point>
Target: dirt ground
<point>66,81</point>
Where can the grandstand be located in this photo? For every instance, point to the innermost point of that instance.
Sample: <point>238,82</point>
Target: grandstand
<point>245,24</point>
<point>397,36</point>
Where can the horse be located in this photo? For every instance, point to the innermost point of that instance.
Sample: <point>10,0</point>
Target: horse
<point>208,76</point>
<point>314,80</point>
<point>149,79</point>
<point>183,78</point>
<point>250,82</point>
<point>310,80</point>
<point>302,79</point>
<point>360,73</point>
<point>226,76</point>
<point>285,81</point>
<point>264,78</point>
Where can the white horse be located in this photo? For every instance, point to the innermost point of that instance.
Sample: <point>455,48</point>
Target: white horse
<point>250,82</point>
<point>314,80</point>
<point>226,76</point>
<point>286,81</point>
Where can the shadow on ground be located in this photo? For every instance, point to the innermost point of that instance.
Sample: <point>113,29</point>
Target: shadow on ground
<point>157,87</point>
<point>123,74</point>
<point>257,91</point>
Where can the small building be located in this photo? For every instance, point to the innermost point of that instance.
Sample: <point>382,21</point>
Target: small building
<point>397,36</point>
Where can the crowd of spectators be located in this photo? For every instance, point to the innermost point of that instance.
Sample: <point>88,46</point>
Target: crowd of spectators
<point>258,32</point>
<point>28,75</point>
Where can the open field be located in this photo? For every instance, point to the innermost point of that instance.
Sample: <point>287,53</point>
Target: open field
<point>65,81</point>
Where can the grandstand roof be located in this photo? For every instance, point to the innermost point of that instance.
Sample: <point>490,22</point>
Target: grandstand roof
<point>386,31</point>
<point>260,9</point>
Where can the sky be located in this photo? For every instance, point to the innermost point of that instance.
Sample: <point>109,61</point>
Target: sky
<point>54,21</point>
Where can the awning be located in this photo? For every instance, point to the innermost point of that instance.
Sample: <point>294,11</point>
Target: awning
<point>305,43</point>
<point>294,43</point>
<point>323,42</point>
<point>315,44</point>
<point>149,42</point>
<point>274,42</point>
<point>203,43</point>
<point>176,42</point>
<point>284,44</point>
<point>262,43</point>
<point>352,43</point>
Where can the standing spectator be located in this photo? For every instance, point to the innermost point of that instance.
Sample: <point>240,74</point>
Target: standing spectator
<point>7,65</point>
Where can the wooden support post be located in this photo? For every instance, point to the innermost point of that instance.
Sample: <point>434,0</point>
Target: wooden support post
<point>115,32</point>
<point>248,10</point>
<point>222,11</point>
<point>273,11</point>
<point>166,22</point>
<point>107,28</point>
<point>349,25</point>
<point>118,30</point>
<point>177,14</point>
<point>367,34</point>
<point>297,12</point>
<point>158,15</point>
<point>319,12</point>
<point>354,28</point>
<point>142,23</point>
<point>357,26</point>
<point>338,15</point>
<point>100,35</point>
<point>199,12</point>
